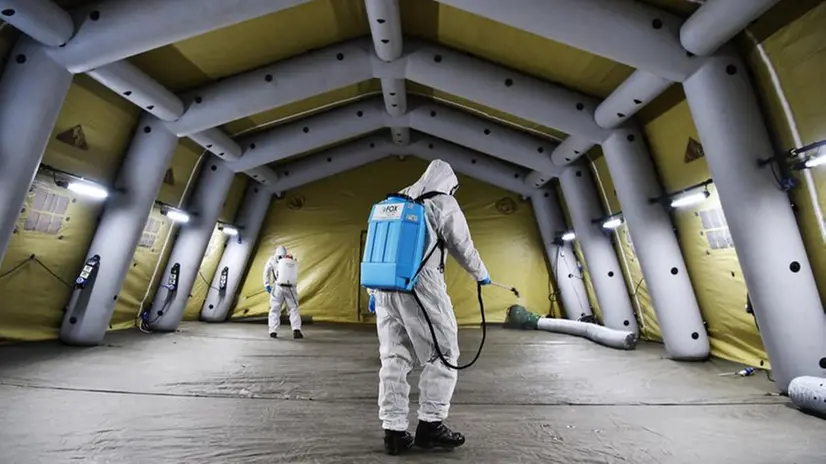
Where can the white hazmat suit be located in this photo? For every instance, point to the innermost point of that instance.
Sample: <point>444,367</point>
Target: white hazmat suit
<point>404,336</point>
<point>280,294</point>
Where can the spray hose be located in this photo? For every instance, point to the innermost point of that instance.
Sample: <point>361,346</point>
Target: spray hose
<point>436,341</point>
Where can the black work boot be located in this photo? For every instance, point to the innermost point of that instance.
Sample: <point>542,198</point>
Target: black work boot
<point>397,442</point>
<point>297,334</point>
<point>436,435</point>
<point>273,335</point>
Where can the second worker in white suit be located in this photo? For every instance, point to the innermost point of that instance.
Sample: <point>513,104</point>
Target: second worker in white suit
<point>280,280</point>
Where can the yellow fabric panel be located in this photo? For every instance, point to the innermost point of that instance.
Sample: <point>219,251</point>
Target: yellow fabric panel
<point>233,198</point>
<point>255,43</point>
<point>135,290</point>
<point>513,48</point>
<point>304,108</point>
<point>715,274</point>
<point>483,111</point>
<point>206,271</point>
<point>33,298</point>
<point>325,236</point>
<point>106,125</point>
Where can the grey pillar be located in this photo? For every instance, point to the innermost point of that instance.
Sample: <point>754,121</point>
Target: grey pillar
<point>119,231</point>
<point>32,90</point>
<point>774,262</point>
<point>656,245</point>
<point>193,237</point>
<point>600,257</point>
<point>562,259</point>
<point>237,253</point>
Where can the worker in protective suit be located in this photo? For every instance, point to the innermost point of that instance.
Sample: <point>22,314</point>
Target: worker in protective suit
<point>279,294</point>
<point>404,336</point>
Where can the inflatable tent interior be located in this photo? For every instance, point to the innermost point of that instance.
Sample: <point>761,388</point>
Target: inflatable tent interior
<point>641,178</point>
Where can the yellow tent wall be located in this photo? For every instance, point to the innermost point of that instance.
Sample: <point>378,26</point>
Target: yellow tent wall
<point>325,235</point>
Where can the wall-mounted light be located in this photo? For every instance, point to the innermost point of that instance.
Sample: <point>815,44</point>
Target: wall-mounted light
<point>76,184</point>
<point>689,199</point>
<point>689,196</point>
<point>174,214</point>
<point>816,160</point>
<point>229,230</point>
<point>87,189</point>
<point>800,159</point>
<point>612,223</point>
<point>177,216</point>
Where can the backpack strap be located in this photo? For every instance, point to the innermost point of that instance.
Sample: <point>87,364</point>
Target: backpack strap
<point>439,243</point>
<point>427,196</point>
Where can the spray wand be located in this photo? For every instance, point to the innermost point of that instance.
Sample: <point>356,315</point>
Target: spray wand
<point>506,287</point>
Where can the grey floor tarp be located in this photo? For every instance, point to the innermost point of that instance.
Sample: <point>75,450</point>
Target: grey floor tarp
<point>228,393</point>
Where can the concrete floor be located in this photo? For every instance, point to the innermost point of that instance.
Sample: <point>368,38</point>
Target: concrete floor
<point>229,394</point>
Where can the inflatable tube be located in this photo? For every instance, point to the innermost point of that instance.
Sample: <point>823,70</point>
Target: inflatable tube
<point>619,339</point>
<point>809,394</point>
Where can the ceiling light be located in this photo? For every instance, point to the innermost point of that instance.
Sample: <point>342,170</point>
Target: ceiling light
<point>230,230</point>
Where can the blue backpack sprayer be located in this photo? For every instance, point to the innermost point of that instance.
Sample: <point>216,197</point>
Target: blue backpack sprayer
<point>394,255</point>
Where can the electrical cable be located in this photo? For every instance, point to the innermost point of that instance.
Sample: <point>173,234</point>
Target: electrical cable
<point>40,263</point>
<point>209,284</point>
<point>637,288</point>
<point>15,268</point>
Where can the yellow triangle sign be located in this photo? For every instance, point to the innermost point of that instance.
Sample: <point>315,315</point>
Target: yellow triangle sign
<point>693,151</point>
<point>169,177</point>
<point>74,137</point>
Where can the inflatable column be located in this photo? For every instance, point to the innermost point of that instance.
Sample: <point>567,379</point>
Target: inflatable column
<point>560,256</point>
<point>612,295</point>
<point>656,245</point>
<point>227,280</point>
<point>774,262</point>
<point>204,207</point>
<point>119,231</point>
<point>32,90</point>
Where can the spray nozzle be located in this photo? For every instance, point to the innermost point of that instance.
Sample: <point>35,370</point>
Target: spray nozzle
<point>507,287</point>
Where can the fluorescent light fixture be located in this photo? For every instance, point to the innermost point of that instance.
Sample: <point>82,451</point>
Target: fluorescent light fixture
<point>230,230</point>
<point>689,199</point>
<point>568,236</point>
<point>815,161</point>
<point>87,189</point>
<point>612,223</point>
<point>177,216</point>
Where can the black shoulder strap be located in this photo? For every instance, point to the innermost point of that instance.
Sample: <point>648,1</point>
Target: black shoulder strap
<point>427,196</point>
<point>439,243</point>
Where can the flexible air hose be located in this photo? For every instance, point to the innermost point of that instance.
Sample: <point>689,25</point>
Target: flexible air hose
<point>619,339</point>
<point>809,394</point>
